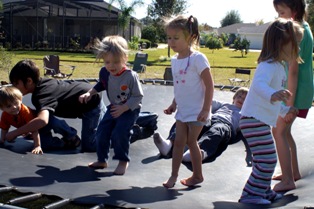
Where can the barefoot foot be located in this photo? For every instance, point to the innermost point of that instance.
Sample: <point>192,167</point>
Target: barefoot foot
<point>98,165</point>
<point>191,181</point>
<point>121,168</point>
<point>279,177</point>
<point>170,183</point>
<point>284,187</point>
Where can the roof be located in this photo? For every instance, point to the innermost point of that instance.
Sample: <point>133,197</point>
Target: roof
<point>233,29</point>
<point>258,29</point>
<point>94,8</point>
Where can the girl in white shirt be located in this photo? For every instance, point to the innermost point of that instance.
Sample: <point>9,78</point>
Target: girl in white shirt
<point>263,105</point>
<point>193,93</point>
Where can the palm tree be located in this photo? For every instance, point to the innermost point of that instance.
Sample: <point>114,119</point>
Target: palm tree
<point>126,12</point>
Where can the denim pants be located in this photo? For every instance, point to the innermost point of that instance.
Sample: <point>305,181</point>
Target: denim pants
<point>115,132</point>
<point>90,121</point>
<point>47,140</point>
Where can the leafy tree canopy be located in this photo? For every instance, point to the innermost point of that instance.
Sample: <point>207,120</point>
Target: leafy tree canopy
<point>232,17</point>
<point>159,9</point>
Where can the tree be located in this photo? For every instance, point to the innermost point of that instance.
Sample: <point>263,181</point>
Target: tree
<point>126,12</point>
<point>149,32</point>
<point>232,17</point>
<point>214,43</point>
<point>160,9</point>
<point>242,45</point>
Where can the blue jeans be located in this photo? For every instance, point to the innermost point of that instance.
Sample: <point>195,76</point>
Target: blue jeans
<point>90,121</point>
<point>58,126</point>
<point>115,131</point>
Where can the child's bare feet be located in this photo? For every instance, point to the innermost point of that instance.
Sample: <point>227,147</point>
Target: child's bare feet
<point>121,168</point>
<point>284,187</point>
<point>170,183</point>
<point>279,177</point>
<point>98,165</point>
<point>191,181</point>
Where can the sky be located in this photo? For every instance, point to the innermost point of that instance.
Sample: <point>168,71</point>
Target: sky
<point>213,11</point>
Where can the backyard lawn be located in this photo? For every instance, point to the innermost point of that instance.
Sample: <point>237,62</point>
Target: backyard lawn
<point>223,62</point>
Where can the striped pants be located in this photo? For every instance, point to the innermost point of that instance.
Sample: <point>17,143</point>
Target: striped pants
<point>260,140</point>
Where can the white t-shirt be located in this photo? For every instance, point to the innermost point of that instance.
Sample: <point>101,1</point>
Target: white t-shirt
<point>189,89</point>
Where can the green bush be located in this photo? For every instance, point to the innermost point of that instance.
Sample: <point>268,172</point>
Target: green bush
<point>145,42</point>
<point>149,33</point>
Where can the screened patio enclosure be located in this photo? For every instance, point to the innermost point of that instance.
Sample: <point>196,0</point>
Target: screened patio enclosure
<point>60,23</point>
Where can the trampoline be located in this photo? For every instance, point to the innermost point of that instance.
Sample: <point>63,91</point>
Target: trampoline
<point>65,173</point>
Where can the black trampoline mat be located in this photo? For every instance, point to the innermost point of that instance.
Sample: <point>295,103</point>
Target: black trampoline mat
<point>65,173</point>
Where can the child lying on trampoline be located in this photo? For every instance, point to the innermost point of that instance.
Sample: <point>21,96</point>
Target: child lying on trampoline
<point>215,137</point>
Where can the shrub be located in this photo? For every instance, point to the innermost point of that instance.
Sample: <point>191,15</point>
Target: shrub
<point>242,45</point>
<point>149,33</point>
<point>5,60</point>
<point>145,42</point>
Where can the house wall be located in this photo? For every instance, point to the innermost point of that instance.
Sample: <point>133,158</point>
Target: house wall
<point>256,40</point>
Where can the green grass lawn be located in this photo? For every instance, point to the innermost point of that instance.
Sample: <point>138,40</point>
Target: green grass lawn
<point>223,62</point>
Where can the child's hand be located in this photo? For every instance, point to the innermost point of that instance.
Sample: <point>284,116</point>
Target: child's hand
<point>281,95</point>
<point>172,108</point>
<point>202,116</point>
<point>117,110</point>
<point>291,115</point>
<point>84,98</point>
<point>37,150</point>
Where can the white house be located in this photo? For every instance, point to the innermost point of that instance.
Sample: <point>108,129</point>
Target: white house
<point>252,32</point>
<point>254,35</point>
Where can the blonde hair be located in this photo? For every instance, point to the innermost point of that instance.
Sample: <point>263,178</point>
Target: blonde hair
<point>9,95</point>
<point>189,26</point>
<point>280,33</point>
<point>116,45</point>
<point>240,91</point>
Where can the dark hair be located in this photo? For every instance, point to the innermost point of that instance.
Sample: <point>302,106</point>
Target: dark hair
<point>297,6</point>
<point>188,25</point>
<point>278,34</point>
<point>23,70</point>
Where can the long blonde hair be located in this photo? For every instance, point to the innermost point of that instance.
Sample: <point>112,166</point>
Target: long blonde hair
<point>280,33</point>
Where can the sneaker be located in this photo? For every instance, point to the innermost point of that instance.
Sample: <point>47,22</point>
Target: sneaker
<point>72,143</point>
<point>256,200</point>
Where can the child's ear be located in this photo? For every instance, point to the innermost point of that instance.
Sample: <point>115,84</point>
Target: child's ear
<point>29,82</point>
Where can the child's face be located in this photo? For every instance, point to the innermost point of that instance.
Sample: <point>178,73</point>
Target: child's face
<point>25,89</point>
<point>114,64</point>
<point>177,40</point>
<point>239,100</point>
<point>13,108</point>
<point>284,11</point>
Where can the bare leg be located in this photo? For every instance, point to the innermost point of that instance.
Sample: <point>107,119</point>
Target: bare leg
<point>294,156</point>
<point>177,152</point>
<point>284,155</point>
<point>196,158</point>
<point>121,168</point>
